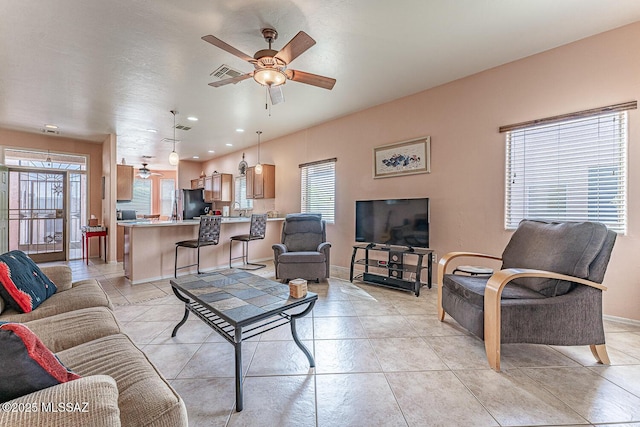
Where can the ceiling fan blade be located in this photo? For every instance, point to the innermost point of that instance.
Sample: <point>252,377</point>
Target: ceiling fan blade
<point>311,79</point>
<point>233,80</point>
<point>227,47</point>
<point>296,47</point>
<point>276,94</point>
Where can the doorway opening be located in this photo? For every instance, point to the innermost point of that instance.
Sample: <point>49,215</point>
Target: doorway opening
<point>47,203</point>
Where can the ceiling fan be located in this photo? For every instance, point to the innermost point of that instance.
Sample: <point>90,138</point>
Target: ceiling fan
<point>271,65</point>
<point>145,173</point>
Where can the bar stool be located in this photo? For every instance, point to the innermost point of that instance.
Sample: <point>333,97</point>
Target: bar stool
<point>208,235</point>
<point>257,231</point>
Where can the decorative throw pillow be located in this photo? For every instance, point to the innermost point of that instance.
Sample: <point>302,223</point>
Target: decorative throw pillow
<point>27,365</point>
<point>22,285</point>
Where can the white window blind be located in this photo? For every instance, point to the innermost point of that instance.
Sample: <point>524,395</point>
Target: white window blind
<point>571,170</point>
<point>318,188</point>
<point>167,193</point>
<point>241,193</point>
<point>141,200</point>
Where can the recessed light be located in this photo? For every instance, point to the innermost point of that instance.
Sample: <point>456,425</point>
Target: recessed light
<point>193,119</point>
<point>229,145</point>
<point>239,130</point>
<point>211,151</point>
<point>152,130</point>
<point>196,157</point>
<point>51,126</point>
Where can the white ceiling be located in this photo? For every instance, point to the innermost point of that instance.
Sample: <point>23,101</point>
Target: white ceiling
<point>97,67</point>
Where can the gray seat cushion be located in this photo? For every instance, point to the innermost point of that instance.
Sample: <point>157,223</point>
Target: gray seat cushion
<point>471,288</point>
<point>304,257</point>
<point>562,247</point>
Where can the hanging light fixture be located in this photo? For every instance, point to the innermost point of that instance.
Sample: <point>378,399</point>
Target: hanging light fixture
<point>173,157</point>
<point>258,168</point>
<point>48,159</point>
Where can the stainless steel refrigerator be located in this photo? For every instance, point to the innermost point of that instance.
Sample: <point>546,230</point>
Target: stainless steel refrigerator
<point>193,203</point>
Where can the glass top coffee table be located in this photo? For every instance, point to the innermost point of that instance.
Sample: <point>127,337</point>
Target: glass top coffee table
<point>239,305</point>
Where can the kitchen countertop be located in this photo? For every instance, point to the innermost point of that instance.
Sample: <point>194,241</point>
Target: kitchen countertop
<point>150,223</point>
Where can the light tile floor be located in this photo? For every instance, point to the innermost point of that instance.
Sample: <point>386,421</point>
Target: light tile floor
<point>383,359</point>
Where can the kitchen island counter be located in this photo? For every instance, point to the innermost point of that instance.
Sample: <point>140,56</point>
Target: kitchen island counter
<point>149,246</point>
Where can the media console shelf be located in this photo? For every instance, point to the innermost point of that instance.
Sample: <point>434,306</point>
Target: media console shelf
<point>397,266</point>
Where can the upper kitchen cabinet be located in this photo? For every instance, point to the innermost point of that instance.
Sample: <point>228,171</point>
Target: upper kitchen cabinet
<point>208,189</point>
<point>221,184</point>
<point>197,183</point>
<point>217,187</point>
<point>261,186</point>
<point>124,180</point>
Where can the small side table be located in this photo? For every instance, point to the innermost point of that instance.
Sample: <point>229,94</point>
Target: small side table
<point>86,235</point>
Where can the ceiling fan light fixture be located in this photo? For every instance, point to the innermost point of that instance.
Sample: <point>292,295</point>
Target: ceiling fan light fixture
<point>269,77</point>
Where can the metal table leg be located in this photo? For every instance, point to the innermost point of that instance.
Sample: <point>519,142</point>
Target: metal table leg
<point>238,348</point>
<point>294,333</point>
<point>186,311</point>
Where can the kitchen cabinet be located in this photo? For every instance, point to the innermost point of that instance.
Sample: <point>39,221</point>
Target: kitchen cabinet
<point>221,184</point>
<point>124,182</point>
<point>261,186</point>
<point>208,189</point>
<point>217,187</point>
<point>197,183</point>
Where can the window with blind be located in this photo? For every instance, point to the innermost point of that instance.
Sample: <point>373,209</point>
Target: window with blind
<point>141,200</point>
<point>568,170</point>
<point>241,194</point>
<point>167,193</point>
<point>318,188</point>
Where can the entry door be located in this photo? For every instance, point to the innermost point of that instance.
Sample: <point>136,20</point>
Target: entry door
<point>37,214</point>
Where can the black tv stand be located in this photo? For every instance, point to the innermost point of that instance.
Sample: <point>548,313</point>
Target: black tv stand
<point>398,272</point>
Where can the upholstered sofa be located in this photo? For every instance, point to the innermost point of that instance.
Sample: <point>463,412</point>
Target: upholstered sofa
<point>118,384</point>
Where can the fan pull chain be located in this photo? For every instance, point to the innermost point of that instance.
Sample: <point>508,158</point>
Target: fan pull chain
<point>267,105</point>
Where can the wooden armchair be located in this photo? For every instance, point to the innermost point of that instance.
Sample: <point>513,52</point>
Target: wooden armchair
<point>548,291</point>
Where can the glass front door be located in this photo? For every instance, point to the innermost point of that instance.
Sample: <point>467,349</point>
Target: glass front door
<point>37,214</point>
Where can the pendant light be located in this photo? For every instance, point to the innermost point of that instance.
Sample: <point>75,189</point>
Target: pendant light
<point>173,157</point>
<point>258,168</point>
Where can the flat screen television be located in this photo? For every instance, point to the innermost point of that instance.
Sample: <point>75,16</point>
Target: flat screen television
<point>403,222</point>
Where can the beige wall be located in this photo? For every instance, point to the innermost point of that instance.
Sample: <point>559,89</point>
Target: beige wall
<point>466,186</point>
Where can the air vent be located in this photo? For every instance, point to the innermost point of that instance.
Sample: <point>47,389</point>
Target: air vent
<point>170,140</point>
<point>51,131</point>
<point>183,127</point>
<point>225,72</point>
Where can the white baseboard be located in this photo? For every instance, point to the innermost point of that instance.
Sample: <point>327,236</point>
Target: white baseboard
<point>621,320</point>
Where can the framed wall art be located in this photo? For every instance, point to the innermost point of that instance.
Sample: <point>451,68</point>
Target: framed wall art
<point>402,158</point>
